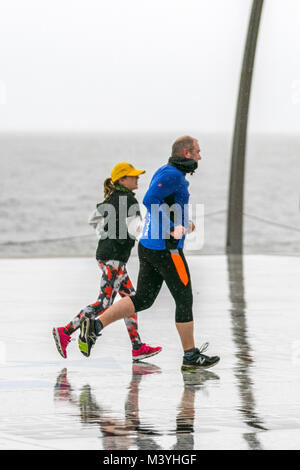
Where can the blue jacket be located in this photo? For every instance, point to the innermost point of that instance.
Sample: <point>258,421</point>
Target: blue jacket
<point>168,187</point>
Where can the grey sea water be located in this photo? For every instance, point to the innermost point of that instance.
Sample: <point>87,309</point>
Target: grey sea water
<point>51,183</point>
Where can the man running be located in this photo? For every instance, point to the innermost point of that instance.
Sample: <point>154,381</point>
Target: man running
<point>161,255</point>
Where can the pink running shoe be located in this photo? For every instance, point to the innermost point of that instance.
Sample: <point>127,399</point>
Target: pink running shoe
<point>62,389</point>
<point>61,340</point>
<point>144,351</point>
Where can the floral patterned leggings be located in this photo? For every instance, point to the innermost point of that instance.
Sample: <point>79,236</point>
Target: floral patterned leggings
<point>114,280</point>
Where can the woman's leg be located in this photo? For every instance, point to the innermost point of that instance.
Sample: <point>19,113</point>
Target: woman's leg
<point>140,350</point>
<point>148,287</point>
<point>127,290</point>
<point>112,274</point>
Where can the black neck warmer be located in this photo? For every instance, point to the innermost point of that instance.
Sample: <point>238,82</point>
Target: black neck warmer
<point>186,165</point>
<point>119,187</point>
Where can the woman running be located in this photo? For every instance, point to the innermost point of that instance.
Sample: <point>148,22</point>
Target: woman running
<point>117,221</point>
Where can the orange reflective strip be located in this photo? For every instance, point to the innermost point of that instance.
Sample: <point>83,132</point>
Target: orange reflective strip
<point>180,268</point>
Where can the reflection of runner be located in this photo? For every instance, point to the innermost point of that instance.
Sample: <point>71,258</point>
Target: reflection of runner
<point>121,434</point>
<point>62,389</point>
<point>112,220</point>
<point>161,257</point>
<point>117,434</point>
<point>193,381</point>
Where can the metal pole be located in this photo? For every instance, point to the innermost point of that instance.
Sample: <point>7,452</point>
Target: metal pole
<point>234,242</point>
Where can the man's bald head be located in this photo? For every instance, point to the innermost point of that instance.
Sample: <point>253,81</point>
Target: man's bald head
<point>184,142</point>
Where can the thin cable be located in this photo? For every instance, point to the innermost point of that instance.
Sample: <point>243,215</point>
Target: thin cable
<point>210,214</point>
<point>277,224</point>
<point>46,240</point>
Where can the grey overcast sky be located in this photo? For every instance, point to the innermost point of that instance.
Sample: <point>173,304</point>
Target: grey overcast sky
<point>145,65</point>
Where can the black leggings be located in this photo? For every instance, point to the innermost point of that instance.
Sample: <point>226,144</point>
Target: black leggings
<point>170,266</point>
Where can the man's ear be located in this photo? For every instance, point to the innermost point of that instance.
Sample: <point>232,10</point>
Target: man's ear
<point>185,153</point>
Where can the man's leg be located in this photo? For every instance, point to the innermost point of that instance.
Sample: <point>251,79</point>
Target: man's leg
<point>177,277</point>
<point>124,308</point>
<point>155,267</point>
<point>186,333</point>
<point>174,269</point>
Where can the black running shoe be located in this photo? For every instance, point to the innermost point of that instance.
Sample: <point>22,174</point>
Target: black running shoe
<point>197,360</point>
<point>87,337</point>
<point>195,379</point>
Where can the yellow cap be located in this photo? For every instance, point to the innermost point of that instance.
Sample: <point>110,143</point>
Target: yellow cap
<point>124,169</point>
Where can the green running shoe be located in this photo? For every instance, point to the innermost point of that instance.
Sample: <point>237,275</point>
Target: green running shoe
<point>87,337</point>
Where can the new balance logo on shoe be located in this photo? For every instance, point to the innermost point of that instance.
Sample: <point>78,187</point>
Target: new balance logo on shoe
<point>201,360</point>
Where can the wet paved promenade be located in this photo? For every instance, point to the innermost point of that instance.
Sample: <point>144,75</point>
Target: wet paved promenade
<point>249,312</point>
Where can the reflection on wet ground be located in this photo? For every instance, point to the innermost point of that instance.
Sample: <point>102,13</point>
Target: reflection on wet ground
<point>243,352</point>
<point>122,434</point>
<point>193,382</point>
<point>117,433</point>
<point>246,307</point>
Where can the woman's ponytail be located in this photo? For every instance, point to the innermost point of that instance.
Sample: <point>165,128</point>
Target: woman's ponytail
<point>109,188</point>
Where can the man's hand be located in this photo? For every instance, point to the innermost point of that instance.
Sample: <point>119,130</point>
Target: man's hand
<point>178,232</point>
